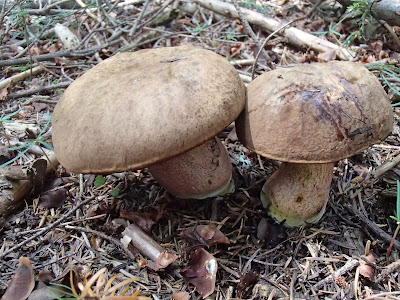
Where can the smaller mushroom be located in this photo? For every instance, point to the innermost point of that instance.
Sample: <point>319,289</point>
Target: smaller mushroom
<point>308,117</point>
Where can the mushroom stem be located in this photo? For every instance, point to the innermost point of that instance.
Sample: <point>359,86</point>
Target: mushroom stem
<point>200,173</point>
<point>297,193</point>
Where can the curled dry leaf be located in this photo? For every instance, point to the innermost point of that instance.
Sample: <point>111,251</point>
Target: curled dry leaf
<point>207,235</point>
<point>201,272</point>
<point>144,220</point>
<point>327,56</point>
<point>366,267</point>
<point>55,198</point>
<point>22,283</point>
<point>180,296</point>
<point>4,92</point>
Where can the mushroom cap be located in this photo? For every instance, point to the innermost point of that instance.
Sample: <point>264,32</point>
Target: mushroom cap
<point>314,113</point>
<point>140,108</point>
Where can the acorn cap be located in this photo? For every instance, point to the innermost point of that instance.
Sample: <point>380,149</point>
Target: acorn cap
<point>314,113</point>
<point>140,108</point>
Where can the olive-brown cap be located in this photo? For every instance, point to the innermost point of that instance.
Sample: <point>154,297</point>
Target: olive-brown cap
<point>314,113</point>
<point>140,108</point>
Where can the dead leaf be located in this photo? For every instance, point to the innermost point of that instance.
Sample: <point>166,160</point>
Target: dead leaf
<point>5,155</point>
<point>22,283</point>
<point>207,235</point>
<point>55,198</point>
<point>101,209</point>
<point>37,173</point>
<point>44,292</point>
<point>232,136</point>
<point>367,268</point>
<point>144,220</point>
<point>327,56</point>
<point>246,283</point>
<point>39,106</point>
<point>201,272</point>
<point>180,296</point>
<point>4,92</point>
<point>164,260</point>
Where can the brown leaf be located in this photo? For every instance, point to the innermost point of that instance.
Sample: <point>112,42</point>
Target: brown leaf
<point>39,106</point>
<point>55,198</point>
<point>207,235</point>
<point>164,260</point>
<point>180,296</point>
<point>37,173</point>
<point>232,136</point>
<point>101,209</point>
<point>4,92</point>
<point>366,267</point>
<point>144,220</point>
<point>22,283</point>
<point>201,272</point>
<point>327,56</point>
<point>246,283</point>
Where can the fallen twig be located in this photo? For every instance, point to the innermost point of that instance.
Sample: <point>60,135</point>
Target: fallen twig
<point>20,76</point>
<point>294,36</point>
<point>388,270</point>
<point>249,30</point>
<point>160,257</point>
<point>104,237</point>
<point>48,228</point>
<point>386,166</point>
<point>371,225</point>
<point>64,53</point>
<point>39,89</point>
<point>350,265</point>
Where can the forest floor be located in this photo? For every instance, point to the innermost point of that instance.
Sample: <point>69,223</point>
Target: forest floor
<point>67,225</point>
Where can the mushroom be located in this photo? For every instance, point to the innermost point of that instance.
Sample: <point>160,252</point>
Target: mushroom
<point>159,108</point>
<point>308,117</point>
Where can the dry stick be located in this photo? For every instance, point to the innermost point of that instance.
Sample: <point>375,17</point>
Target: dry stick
<point>386,166</point>
<point>388,270</point>
<point>148,247</point>
<point>249,30</point>
<point>139,18</point>
<point>316,4</point>
<point>392,33</point>
<point>350,265</point>
<point>293,35</point>
<point>387,238</point>
<point>39,89</point>
<point>64,53</point>
<point>55,224</point>
<point>20,76</point>
<point>105,237</point>
<point>253,69</point>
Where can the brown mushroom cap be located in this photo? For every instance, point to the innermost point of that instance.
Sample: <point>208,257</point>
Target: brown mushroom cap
<point>314,113</point>
<point>140,108</point>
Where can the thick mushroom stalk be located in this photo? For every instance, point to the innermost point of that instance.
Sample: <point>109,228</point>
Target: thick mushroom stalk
<point>200,173</point>
<point>297,193</point>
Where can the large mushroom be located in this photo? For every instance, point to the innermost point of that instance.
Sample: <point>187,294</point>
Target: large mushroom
<point>308,117</point>
<point>159,108</point>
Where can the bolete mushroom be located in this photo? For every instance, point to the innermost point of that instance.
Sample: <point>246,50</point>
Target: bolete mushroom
<point>308,117</point>
<point>159,108</point>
